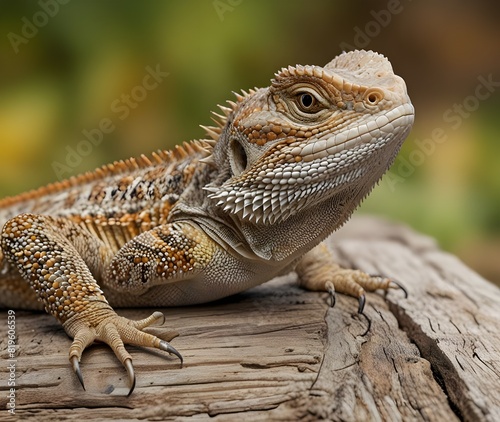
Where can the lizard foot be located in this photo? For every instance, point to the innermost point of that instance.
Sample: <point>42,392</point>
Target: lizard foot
<point>115,331</point>
<point>353,283</point>
<point>318,272</point>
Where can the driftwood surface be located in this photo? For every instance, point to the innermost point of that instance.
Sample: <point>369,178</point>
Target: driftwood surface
<point>277,352</point>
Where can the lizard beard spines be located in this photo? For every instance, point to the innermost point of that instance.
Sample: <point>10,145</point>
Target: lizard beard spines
<point>256,204</point>
<point>257,207</point>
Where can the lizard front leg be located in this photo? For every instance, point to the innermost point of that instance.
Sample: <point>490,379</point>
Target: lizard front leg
<point>48,252</point>
<point>164,255</point>
<point>317,271</point>
<point>178,264</point>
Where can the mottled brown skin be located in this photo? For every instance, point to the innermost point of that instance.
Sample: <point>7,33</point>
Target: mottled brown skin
<point>285,166</point>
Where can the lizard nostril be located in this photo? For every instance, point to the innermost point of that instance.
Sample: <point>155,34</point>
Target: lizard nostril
<point>373,97</point>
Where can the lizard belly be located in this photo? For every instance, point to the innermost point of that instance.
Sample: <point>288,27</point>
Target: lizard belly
<point>215,283</point>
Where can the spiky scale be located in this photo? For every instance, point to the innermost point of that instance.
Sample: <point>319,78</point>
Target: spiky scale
<point>226,110</point>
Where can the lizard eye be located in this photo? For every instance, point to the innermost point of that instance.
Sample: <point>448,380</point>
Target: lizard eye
<point>306,101</point>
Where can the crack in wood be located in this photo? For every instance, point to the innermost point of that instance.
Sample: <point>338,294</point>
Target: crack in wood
<point>459,364</point>
<point>430,325</point>
<point>486,364</point>
<point>455,325</point>
<point>442,369</point>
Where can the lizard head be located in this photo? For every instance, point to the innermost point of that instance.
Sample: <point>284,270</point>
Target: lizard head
<point>315,134</point>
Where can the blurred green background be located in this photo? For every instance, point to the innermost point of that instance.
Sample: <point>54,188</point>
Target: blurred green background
<point>63,66</point>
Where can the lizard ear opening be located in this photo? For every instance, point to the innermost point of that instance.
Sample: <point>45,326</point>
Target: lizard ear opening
<point>237,157</point>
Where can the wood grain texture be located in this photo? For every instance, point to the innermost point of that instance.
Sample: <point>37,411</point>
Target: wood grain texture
<point>277,352</point>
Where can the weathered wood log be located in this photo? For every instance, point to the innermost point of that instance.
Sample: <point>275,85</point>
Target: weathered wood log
<point>277,352</point>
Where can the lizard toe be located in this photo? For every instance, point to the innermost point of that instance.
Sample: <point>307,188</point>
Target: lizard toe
<point>115,331</point>
<point>150,320</point>
<point>83,337</point>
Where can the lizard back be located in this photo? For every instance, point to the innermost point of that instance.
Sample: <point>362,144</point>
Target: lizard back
<point>124,198</point>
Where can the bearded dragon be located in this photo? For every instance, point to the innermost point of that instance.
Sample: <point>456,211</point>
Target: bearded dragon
<point>283,168</point>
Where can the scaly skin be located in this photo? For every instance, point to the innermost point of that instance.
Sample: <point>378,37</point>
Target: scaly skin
<point>285,166</point>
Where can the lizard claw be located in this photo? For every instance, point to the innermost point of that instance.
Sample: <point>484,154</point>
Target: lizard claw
<point>330,288</point>
<point>391,284</point>
<point>368,328</point>
<point>167,347</point>
<point>361,303</point>
<point>76,368</point>
<point>400,286</point>
<point>131,374</point>
<point>361,307</point>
